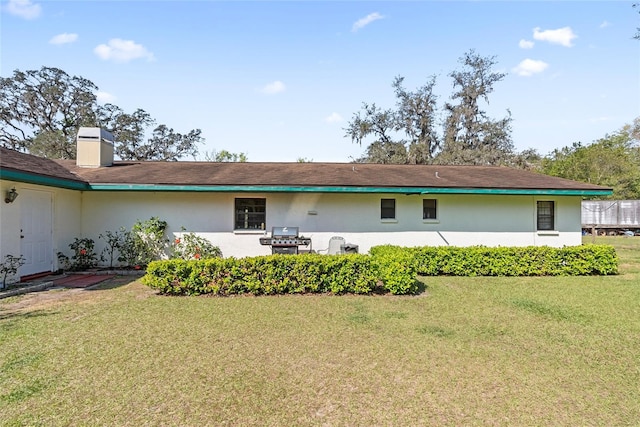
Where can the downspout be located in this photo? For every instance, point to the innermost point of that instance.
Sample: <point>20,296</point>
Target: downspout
<point>442,237</point>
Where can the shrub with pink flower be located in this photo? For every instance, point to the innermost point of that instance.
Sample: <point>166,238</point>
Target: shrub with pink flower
<point>83,257</point>
<point>191,246</point>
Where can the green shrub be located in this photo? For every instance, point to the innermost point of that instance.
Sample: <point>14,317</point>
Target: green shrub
<point>506,261</point>
<point>388,268</point>
<point>265,275</point>
<point>397,270</point>
<point>147,241</point>
<point>116,244</point>
<point>84,256</point>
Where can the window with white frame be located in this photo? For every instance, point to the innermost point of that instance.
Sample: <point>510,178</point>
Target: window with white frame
<point>545,215</point>
<point>387,208</point>
<point>250,214</point>
<point>429,209</point>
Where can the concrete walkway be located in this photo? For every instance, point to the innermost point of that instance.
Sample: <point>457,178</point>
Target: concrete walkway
<point>69,280</point>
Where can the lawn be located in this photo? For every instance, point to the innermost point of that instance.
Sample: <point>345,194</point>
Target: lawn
<point>467,351</point>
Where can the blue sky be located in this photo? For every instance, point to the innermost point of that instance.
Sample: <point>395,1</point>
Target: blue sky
<point>280,80</point>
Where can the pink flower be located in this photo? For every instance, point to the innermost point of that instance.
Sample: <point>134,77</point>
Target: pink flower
<point>197,256</point>
<point>177,241</point>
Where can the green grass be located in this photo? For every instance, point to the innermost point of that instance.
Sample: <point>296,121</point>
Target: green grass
<point>467,351</point>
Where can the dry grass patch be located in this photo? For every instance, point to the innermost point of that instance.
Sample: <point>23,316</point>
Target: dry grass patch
<point>469,351</point>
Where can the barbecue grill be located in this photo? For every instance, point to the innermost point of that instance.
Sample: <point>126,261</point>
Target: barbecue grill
<point>285,240</point>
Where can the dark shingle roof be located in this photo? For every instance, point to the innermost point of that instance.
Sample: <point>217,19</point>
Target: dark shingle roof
<point>321,175</point>
<point>294,174</point>
<point>15,161</point>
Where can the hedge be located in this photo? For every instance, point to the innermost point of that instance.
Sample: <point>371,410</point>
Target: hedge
<point>388,268</point>
<point>279,274</point>
<point>506,261</point>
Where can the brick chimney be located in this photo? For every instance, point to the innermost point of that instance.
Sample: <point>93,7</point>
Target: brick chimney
<point>95,148</point>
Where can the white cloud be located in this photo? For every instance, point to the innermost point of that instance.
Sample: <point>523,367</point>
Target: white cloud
<point>562,36</point>
<point>64,38</point>
<point>525,44</point>
<point>333,118</point>
<point>24,9</point>
<point>119,50</point>
<point>605,24</point>
<point>105,97</point>
<point>273,88</point>
<point>363,22</point>
<point>529,67</point>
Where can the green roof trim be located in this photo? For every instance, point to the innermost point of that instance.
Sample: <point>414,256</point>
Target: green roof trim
<point>32,178</point>
<point>323,189</point>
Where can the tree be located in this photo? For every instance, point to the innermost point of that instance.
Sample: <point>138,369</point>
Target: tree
<point>528,159</point>
<point>388,152</point>
<point>225,156</point>
<point>415,116</point>
<point>470,136</point>
<point>42,110</point>
<point>45,103</point>
<point>379,123</point>
<point>409,133</point>
<point>612,161</point>
<point>130,131</point>
<point>53,145</point>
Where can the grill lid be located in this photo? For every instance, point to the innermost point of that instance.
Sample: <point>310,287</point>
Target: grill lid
<point>279,232</point>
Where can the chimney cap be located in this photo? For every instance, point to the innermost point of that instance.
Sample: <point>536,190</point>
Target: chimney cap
<point>95,133</point>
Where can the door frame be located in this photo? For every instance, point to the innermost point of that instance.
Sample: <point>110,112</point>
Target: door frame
<point>47,263</point>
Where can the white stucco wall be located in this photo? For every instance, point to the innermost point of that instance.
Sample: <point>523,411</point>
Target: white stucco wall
<point>66,211</point>
<point>9,223</point>
<point>463,220</point>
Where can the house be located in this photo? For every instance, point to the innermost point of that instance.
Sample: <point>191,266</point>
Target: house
<point>234,204</point>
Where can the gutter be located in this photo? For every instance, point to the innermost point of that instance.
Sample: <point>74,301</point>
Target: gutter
<point>322,189</point>
<point>33,178</point>
<point>49,181</point>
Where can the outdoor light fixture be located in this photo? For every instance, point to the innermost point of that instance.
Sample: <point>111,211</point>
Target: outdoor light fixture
<point>12,195</point>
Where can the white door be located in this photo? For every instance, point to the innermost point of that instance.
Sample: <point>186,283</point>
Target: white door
<point>36,234</point>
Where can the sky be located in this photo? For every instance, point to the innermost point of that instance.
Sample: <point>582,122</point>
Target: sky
<point>280,81</point>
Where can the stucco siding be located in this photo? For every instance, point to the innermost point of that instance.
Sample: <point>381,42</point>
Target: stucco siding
<point>463,220</point>
<point>9,221</point>
<point>66,217</point>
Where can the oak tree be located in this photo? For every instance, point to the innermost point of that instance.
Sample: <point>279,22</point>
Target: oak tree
<point>470,135</point>
<point>409,132</point>
<point>42,110</point>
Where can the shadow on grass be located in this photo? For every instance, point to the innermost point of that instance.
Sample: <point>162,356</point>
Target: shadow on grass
<point>114,283</point>
<point>550,311</point>
<point>18,315</point>
<point>421,286</point>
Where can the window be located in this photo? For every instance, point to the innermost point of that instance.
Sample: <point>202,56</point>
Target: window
<point>387,208</point>
<point>250,214</point>
<point>545,216</point>
<point>429,209</point>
